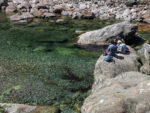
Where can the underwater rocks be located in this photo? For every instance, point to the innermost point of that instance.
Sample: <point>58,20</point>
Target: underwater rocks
<point>83,9</point>
<point>144,53</point>
<point>102,36</point>
<point>21,108</point>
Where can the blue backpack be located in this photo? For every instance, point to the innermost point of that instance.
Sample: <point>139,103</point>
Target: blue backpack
<point>123,49</point>
<point>107,58</point>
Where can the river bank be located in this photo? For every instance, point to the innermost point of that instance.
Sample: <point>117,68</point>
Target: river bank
<point>131,10</point>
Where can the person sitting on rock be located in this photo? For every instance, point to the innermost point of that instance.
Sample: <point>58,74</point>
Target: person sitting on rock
<point>121,47</point>
<point>112,48</point>
<point>110,52</point>
<point>118,37</point>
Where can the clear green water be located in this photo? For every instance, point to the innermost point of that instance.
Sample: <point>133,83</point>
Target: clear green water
<point>41,57</point>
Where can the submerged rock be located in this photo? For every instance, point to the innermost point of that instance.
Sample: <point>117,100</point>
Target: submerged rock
<point>18,108</point>
<point>21,108</point>
<point>59,20</point>
<point>102,36</point>
<point>46,109</point>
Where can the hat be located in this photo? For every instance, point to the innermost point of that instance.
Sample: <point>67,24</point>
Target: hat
<point>119,42</point>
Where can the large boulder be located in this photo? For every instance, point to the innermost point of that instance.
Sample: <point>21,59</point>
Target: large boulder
<point>121,63</point>
<point>21,108</point>
<point>144,53</point>
<point>102,36</point>
<point>127,93</point>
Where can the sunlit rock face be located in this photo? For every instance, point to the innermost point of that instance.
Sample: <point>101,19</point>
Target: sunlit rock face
<point>144,52</point>
<point>102,36</point>
<point>128,92</point>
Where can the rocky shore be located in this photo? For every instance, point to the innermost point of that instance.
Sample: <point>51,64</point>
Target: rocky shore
<point>134,10</point>
<point>121,86</point>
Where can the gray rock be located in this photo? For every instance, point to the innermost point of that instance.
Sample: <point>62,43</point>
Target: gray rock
<point>36,12</point>
<point>126,13</point>
<point>144,53</point>
<point>48,15</point>
<point>15,17</point>
<point>87,15</point>
<point>26,15</point>
<point>23,16</point>
<point>82,6</point>
<point>59,20</point>
<point>11,8</point>
<point>122,63</point>
<point>102,36</point>
<point>79,32</point>
<point>127,93</point>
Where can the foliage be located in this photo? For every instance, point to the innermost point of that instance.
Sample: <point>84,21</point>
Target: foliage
<point>1,109</point>
<point>8,91</point>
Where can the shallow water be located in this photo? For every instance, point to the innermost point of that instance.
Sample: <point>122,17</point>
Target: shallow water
<point>43,59</point>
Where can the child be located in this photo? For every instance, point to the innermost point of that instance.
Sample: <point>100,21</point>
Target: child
<point>122,48</point>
